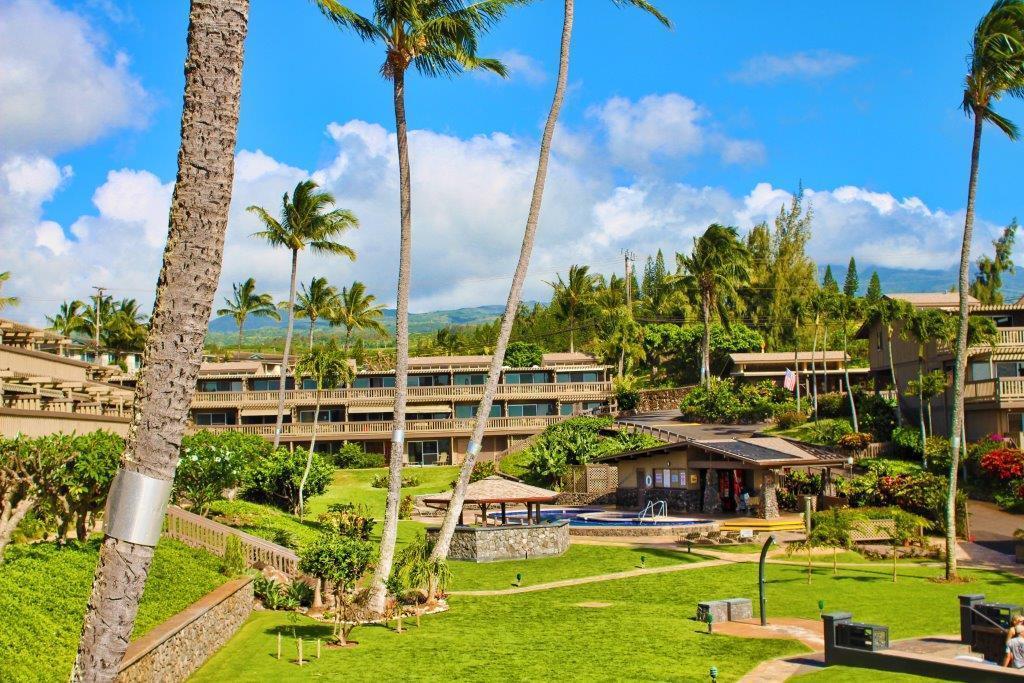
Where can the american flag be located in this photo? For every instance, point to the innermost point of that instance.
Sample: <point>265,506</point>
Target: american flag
<point>790,381</point>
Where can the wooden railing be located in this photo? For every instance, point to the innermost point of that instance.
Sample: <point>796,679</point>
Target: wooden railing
<point>657,432</point>
<point>385,427</point>
<point>1004,388</point>
<point>1011,336</point>
<point>355,395</point>
<point>200,532</point>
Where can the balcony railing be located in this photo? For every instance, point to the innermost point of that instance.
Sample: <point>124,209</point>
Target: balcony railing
<point>1001,389</point>
<point>1011,336</point>
<point>353,395</point>
<point>494,424</point>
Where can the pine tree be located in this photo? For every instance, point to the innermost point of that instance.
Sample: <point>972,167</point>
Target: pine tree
<point>829,282</point>
<point>874,294</point>
<point>852,282</point>
<point>989,280</point>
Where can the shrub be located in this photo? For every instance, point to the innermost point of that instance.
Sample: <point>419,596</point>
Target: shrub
<point>906,442</point>
<point>723,400</point>
<point>936,450</point>
<point>284,537</point>
<point>352,456</point>
<point>234,561</point>
<point>833,404</point>
<point>405,507</point>
<point>854,441</point>
<point>353,521</point>
<point>790,419</point>
<point>481,470</point>
<point>627,392</point>
<point>829,432</point>
<point>300,592</point>
<point>275,478</point>
<point>876,414</point>
<point>380,481</point>
<point>1004,463</point>
<point>575,441</point>
<point>214,462</point>
<point>887,467</point>
<point>523,355</point>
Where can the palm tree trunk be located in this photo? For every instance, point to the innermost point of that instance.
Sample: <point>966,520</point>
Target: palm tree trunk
<point>572,334</point>
<point>892,372</point>
<point>846,377</point>
<point>451,518</point>
<point>184,298</point>
<point>240,335</point>
<point>931,429</point>
<point>824,353</point>
<point>309,457</point>
<point>796,363</point>
<point>312,322</point>
<point>705,343</point>
<point>287,350</point>
<point>348,334</point>
<point>960,366</point>
<point>814,370</point>
<point>921,409</point>
<point>389,534</point>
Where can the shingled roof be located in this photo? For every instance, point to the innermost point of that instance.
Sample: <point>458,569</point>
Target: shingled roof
<point>496,489</point>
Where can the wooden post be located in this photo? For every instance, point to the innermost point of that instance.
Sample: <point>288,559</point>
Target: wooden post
<point>279,645</point>
<point>300,651</point>
<point>483,513</point>
<point>318,648</point>
<point>461,522</point>
<point>504,521</point>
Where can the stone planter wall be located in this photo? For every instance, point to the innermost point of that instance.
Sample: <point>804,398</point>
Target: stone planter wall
<point>173,650</point>
<point>509,542</point>
<point>657,399</point>
<point>1019,547</point>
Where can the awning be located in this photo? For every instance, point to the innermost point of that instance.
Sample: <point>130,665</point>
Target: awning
<point>362,410</point>
<point>252,412</point>
<point>428,408</point>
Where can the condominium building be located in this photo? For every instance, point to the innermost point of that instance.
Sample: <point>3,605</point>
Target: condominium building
<point>994,389</point>
<point>442,399</point>
<point>43,391</point>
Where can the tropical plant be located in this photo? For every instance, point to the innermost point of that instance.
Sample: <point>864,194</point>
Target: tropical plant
<point>6,301</point>
<point>181,312</point>
<point>275,478</point>
<point>357,310</point>
<point>245,302</point>
<point>233,560</point>
<point>995,69</point>
<point>834,529</point>
<point>306,220</point>
<point>573,298</point>
<point>435,39</point>
<point>68,319</point>
<point>925,388</point>
<point>988,282</point>
<point>925,326</point>
<point>352,456</point>
<point>421,568</point>
<point>328,367</point>
<point>886,312</point>
<point>211,465</point>
<point>318,301</point>
<point>339,561</point>
<point>31,471</point>
<point>85,479</point>
<point>711,275</point>
<point>523,355</point>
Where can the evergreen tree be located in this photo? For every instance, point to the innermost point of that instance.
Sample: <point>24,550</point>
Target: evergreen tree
<point>829,283</point>
<point>989,280</point>
<point>852,282</point>
<point>874,294</point>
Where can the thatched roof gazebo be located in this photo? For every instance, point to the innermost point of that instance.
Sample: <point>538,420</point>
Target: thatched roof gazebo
<point>497,490</point>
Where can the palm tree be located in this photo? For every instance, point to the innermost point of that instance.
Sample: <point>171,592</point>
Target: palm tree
<point>573,298</point>
<point>995,68</point>
<point>925,326</point>
<point>448,340</point>
<point>68,319</point>
<point>886,312</point>
<point>126,328</point>
<point>316,302</point>
<point>96,315</point>
<point>305,221</point>
<point>6,301</point>
<point>245,302</point>
<point>436,39</point>
<point>328,367</point>
<point>711,275</point>
<point>847,307</point>
<point>797,311</point>
<point>174,347</point>
<point>357,310</point>
<point>927,387</point>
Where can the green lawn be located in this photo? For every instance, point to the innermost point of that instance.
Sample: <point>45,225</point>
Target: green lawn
<point>353,486</point>
<point>806,432</point>
<point>646,632</point>
<point>579,560</point>
<point>850,674</point>
<point>44,590</point>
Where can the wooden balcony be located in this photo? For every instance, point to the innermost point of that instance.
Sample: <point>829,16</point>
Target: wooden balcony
<point>299,431</point>
<point>575,391</point>
<point>999,391</point>
<point>1011,336</point>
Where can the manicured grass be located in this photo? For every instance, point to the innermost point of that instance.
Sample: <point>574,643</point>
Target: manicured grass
<point>578,561</point>
<point>646,632</point>
<point>44,590</point>
<point>515,463</point>
<point>850,674</point>
<point>353,486</point>
<point>806,432</point>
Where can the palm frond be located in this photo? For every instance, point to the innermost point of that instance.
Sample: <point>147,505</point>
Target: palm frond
<point>647,7</point>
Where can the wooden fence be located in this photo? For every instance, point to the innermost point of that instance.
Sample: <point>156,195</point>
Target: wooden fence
<point>200,532</point>
<point>591,479</point>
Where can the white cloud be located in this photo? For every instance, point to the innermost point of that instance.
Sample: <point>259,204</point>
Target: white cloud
<point>665,127</point>
<point>523,67</point>
<point>815,64</point>
<point>58,89</point>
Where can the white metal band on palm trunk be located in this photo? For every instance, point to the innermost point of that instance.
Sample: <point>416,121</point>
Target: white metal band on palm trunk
<point>398,437</point>
<point>472,448</point>
<point>136,506</point>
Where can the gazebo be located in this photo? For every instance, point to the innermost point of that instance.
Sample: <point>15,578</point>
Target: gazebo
<point>498,490</point>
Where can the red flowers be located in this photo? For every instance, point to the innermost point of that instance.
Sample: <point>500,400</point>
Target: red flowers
<point>1004,463</point>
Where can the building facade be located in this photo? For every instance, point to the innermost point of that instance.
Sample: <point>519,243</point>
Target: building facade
<point>43,391</point>
<point>826,369</point>
<point>444,392</point>
<point>994,388</point>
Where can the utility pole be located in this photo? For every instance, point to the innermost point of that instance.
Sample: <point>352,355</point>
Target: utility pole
<point>629,258</point>
<point>96,319</point>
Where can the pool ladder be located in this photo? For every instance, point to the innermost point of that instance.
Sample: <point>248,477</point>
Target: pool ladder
<point>652,509</point>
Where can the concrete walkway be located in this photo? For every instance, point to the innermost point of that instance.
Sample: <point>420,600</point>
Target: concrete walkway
<point>775,670</point>
<point>992,527</point>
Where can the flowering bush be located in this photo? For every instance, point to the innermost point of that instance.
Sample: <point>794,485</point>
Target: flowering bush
<point>213,463</point>
<point>854,441</point>
<point>1004,463</point>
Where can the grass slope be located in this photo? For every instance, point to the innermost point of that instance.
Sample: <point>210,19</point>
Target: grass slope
<point>645,634</point>
<point>808,431</point>
<point>44,590</point>
<point>353,486</point>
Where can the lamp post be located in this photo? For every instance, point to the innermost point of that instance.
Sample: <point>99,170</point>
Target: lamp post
<point>760,578</point>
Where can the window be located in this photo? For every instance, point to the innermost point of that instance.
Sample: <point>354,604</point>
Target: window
<point>566,409</point>
<point>219,385</point>
<point>981,370</point>
<point>308,383</point>
<point>1010,368</point>
<point>564,377</point>
<point>326,415</point>
<point>467,410</point>
<point>471,378</point>
<point>374,382</point>
<point>526,378</point>
<point>427,416</point>
<point>272,384</point>
<point>428,380</point>
<point>427,452</point>
<point>218,418</point>
<point>371,417</point>
<point>530,409</point>
<point>669,478</point>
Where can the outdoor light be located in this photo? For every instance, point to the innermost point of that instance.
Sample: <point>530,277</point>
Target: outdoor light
<point>714,673</point>
<point>519,579</point>
<point>710,619</point>
<point>643,561</point>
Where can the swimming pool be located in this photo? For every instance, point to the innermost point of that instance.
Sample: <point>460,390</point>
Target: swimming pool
<point>594,516</point>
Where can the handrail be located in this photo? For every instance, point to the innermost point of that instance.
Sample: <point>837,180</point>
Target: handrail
<point>199,532</point>
<point>386,426</point>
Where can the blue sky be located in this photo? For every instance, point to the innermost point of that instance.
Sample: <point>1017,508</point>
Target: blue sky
<point>662,133</point>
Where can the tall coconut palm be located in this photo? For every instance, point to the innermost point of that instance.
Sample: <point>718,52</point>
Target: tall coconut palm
<point>328,367</point>
<point>6,301</point>
<point>357,310</point>
<point>315,303</point>
<point>925,326</point>
<point>436,38</point>
<point>711,275</point>
<point>245,302</point>
<point>573,298</point>
<point>174,348</point>
<point>995,68</point>
<point>97,314</point>
<point>886,312</point>
<point>440,551</point>
<point>306,221</point>
<point>68,319</point>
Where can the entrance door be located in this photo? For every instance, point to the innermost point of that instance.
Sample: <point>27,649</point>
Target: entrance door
<point>424,452</point>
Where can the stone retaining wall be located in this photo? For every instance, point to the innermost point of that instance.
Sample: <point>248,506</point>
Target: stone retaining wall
<point>657,399</point>
<point>678,500</point>
<point>173,650</point>
<point>510,542</point>
<point>680,531</point>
